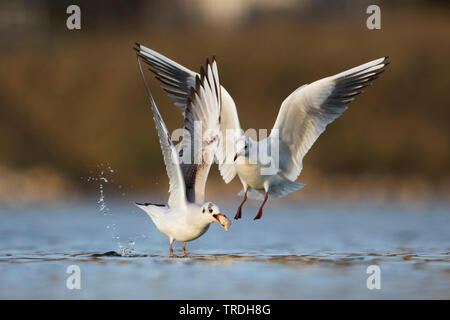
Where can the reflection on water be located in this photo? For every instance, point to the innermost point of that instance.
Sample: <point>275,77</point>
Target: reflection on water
<point>301,251</point>
<point>293,260</point>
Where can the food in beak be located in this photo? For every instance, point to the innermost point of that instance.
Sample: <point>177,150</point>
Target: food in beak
<point>223,220</point>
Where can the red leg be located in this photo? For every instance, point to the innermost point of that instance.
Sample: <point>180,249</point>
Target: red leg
<point>259,215</point>
<point>171,250</point>
<point>239,211</point>
<point>184,248</point>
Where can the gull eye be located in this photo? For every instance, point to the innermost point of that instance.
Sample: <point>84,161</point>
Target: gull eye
<point>210,210</point>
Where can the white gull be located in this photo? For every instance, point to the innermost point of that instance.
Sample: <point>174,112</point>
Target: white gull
<point>302,118</point>
<point>187,216</point>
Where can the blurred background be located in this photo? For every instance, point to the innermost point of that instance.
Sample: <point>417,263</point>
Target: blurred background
<point>78,146</point>
<point>73,103</point>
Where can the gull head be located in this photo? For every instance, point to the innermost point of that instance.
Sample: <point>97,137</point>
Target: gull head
<point>213,213</point>
<point>243,147</point>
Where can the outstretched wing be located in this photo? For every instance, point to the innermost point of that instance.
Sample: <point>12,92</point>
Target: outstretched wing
<point>177,81</point>
<point>306,112</point>
<point>201,135</point>
<point>177,188</point>
<point>231,132</point>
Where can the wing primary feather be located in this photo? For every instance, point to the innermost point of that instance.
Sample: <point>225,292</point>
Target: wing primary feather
<point>170,155</point>
<point>202,105</point>
<point>305,113</point>
<point>175,93</point>
<point>179,80</point>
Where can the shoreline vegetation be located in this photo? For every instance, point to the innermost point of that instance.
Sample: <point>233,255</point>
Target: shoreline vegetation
<point>41,186</point>
<point>73,99</point>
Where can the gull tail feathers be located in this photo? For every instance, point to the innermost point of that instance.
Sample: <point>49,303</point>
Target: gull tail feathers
<point>153,210</point>
<point>279,188</point>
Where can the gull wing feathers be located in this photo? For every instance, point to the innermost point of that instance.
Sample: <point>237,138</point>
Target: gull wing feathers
<point>177,188</point>
<point>306,112</point>
<point>201,135</point>
<point>230,129</point>
<point>177,81</point>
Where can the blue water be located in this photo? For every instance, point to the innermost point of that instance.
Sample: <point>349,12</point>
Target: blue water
<point>295,251</point>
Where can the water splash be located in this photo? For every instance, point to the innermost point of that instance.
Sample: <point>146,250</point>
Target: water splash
<point>103,178</point>
<point>127,250</point>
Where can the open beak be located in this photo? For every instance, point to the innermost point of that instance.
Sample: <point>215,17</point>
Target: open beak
<point>223,220</point>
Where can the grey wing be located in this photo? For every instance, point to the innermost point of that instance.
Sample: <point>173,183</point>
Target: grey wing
<point>176,181</point>
<point>306,112</point>
<point>177,81</point>
<point>202,132</point>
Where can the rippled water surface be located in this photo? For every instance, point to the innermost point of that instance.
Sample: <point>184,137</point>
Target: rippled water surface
<point>296,251</point>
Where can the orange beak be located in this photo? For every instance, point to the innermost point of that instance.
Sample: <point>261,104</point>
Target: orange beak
<point>223,220</point>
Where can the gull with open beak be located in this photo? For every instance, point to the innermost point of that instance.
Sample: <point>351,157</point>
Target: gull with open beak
<point>302,118</point>
<point>187,216</point>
